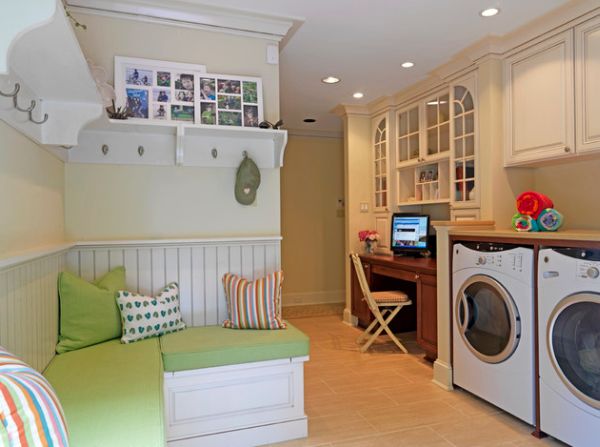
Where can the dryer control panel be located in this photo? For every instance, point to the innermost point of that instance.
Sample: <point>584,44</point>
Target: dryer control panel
<point>588,269</point>
<point>507,258</point>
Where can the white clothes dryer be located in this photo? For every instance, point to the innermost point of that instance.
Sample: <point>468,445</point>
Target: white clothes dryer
<point>493,332</point>
<point>569,339</point>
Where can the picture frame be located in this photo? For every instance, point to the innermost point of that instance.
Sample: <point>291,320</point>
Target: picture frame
<point>422,176</point>
<point>230,100</point>
<point>157,90</point>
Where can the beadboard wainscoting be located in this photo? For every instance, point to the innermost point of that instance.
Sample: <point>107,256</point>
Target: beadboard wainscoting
<point>29,305</point>
<point>197,265</point>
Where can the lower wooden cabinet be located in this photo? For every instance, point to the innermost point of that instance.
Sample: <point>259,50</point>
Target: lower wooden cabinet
<point>417,277</point>
<point>427,313</point>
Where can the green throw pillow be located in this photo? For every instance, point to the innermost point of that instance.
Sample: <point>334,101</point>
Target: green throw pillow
<point>88,311</point>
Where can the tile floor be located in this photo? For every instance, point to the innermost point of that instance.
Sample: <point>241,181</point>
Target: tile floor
<point>384,398</point>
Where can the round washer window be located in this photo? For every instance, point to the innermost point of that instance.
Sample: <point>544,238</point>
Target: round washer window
<point>488,319</point>
<point>575,345</point>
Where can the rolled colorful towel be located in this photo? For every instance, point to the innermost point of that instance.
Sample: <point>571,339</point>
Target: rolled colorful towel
<point>524,223</point>
<point>531,203</point>
<point>550,220</point>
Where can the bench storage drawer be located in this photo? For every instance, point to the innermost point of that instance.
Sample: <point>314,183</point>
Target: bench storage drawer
<point>252,403</point>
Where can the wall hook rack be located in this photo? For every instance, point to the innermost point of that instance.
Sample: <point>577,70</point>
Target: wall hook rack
<point>28,109</point>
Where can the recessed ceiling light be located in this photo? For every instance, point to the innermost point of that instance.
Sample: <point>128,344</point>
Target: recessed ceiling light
<point>330,80</point>
<point>408,64</point>
<point>309,120</point>
<point>489,12</point>
<point>358,95</point>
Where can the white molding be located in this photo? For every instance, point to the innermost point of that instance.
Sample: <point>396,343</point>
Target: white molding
<point>21,257</point>
<point>320,297</point>
<point>308,133</point>
<point>184,14</point>
<point>237,240</point>
<point>442,375</point>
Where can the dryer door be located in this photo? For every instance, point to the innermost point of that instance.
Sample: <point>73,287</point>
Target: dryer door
<point>487,319</point>
<point>574,345</point>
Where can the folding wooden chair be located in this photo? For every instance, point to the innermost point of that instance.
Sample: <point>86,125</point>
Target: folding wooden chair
<point>390,301</point>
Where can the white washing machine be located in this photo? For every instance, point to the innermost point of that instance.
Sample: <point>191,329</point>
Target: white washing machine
<point>569,339</point>
<point>492,329</point>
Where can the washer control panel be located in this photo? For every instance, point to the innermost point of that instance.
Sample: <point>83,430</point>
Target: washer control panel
<point>588,269</point>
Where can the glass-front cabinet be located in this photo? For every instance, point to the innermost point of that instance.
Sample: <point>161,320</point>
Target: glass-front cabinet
<point>436,150</point>
<point>463,174</point>
<point>437,120</point>
<point>380,165</point>
<point>409,146</point>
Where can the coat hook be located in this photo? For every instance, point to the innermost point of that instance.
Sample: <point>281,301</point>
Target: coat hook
<point>37,122</point>
<point>141,150</point>
<point>13,93</point>
<point>28,109</point>
<point>245,154</point>
<point>214,152</point>
<point>104,149</point>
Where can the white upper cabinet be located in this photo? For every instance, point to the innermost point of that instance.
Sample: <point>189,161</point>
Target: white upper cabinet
<point>380,164</point>
<point>437,123</point>
<point>408,145</point>
<point>539,102</point>
<point>587,85</point>
<point>464,175</point>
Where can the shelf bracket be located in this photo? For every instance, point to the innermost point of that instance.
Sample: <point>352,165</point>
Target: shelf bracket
<point>179,146</point>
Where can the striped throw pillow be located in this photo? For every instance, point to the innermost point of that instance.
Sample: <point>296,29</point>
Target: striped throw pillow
<point>253,304</point>
<point>30,413</point>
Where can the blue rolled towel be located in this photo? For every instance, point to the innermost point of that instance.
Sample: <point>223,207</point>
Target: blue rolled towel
<point>550,220</point>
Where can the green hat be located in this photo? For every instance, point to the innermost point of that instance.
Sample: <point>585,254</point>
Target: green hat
<point>247,181</point>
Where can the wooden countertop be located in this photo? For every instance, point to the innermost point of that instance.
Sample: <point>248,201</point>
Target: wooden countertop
<point>419,265</point>
<point>563,235</point>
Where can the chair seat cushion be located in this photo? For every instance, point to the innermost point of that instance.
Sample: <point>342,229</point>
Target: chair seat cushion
<point>111,394</point>
<point>210,346</point>
<point>391,296</point>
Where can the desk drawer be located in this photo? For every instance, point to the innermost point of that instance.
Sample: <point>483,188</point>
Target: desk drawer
<point>404,275</point>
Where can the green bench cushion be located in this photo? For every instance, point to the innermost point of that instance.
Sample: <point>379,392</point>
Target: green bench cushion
<point>205,347</point>
<point>112,394</point>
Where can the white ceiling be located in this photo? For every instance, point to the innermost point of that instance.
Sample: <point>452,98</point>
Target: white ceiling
<point>364,42</point>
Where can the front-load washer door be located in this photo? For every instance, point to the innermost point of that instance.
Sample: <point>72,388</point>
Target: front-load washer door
<point>487,319</point>
<point>574,345</point>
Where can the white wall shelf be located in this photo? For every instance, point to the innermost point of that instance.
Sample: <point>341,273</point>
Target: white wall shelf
<point>171,143</point>
<point>40,52</point>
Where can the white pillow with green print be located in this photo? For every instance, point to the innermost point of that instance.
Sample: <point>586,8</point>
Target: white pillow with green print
<point>146,316</point>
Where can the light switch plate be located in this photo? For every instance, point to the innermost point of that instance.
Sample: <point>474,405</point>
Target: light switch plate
<point>364,207</point>
<point>272,54</point>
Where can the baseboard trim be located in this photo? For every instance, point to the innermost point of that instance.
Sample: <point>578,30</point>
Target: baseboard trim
<point>442,375</point>
<point>323,297</point>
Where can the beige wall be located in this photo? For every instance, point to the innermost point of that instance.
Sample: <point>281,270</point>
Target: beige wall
<point>573,186</point>
<point>31,194</point>
<point>108,37</point>
<point>122,202</point>
<point>129,202</point>
<point>312,180</point>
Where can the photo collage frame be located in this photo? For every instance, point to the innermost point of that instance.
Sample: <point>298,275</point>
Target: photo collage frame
<point>168,91</point>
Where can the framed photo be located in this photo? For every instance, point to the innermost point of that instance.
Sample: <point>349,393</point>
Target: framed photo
<point>228,100</point>
<point>171,91</point>
<point>151,88</point>
<point>422,176</point>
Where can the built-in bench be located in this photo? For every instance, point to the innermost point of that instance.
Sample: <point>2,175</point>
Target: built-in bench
<point>225,386</point>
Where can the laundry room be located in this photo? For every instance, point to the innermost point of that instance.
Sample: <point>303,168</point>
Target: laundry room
<point>318,223</point>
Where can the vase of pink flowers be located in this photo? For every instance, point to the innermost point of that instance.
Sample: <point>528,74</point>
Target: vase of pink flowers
<point>370,238</point>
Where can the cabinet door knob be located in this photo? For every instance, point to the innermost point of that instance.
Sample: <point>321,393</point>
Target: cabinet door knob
<point>567,149</point>
<point>417,276</point>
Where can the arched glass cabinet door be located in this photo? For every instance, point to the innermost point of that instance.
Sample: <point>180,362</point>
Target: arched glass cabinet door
<point>487,318</point>
<point>464,141</point>
<point>574,345</point>
<point>380,160</point>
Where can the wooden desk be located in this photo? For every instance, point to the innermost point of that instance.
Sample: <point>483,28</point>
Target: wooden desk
<point>415,276</point>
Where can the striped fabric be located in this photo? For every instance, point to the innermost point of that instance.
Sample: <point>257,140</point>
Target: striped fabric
<point>253,305</point>
<point>30,413</point>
